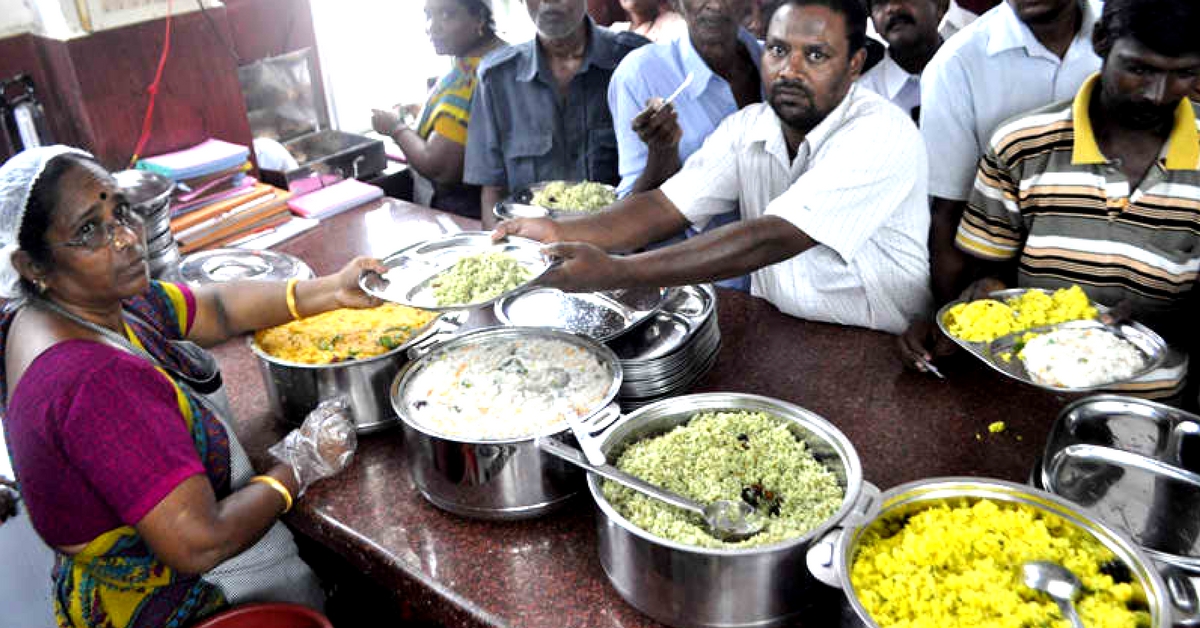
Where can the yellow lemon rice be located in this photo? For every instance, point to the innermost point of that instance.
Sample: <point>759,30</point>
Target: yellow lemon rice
<point>956,565</point>
<point>985,320</point>
<point>344,334</point>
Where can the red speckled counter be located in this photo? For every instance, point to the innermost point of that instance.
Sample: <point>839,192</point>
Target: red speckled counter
<point>546,573</point>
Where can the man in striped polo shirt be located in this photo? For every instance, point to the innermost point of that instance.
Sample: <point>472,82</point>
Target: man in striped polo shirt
<point>1104,190</point>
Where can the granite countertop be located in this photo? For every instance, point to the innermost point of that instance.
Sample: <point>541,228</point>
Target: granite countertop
<point>546,573</point>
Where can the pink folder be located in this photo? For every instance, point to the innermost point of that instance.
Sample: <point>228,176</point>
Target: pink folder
<point>334,199</point>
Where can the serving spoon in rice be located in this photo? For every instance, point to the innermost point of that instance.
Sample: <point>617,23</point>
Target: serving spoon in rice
<point>1060,583</point>
<point>726,519</point>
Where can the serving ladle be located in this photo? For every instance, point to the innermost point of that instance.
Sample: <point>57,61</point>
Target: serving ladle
<point>726,519</point>
<point>1060,583</point>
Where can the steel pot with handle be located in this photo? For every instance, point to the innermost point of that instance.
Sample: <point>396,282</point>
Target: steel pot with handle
<point>1169,597</point>
<point>685,585</point>
<point>504,478</point>
<point>294,389</point>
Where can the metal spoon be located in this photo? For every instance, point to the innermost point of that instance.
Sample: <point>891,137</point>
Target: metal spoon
<point>726,519</point>
<point>1056,581</point>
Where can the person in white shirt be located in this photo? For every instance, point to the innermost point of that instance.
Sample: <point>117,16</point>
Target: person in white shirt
<point>957,17</point>
<point>829,179</point>
<point>1018,56</point>
<point>910,28</point>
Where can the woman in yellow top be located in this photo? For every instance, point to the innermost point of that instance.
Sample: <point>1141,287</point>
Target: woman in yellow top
<point>435,149</point>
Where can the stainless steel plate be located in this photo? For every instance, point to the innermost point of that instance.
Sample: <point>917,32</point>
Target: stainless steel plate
<point>601,316</point>
<point>1152,346</point>
<point>413,270</point>
<point>682,315</point>
<point>221,265</point>
<point>517,204</point>
<point>680,360</point>
<point>1133,463</point>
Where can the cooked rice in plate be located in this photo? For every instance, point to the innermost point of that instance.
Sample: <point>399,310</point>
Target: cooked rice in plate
<point>1081,358</point>
<point>478,278</point>
<point>985,320</point>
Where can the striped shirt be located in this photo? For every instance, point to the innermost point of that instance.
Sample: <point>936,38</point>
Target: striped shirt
<point>1045,195</point>
<point>863,200</point>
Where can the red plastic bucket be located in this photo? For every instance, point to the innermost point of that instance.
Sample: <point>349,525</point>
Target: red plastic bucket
<point>272,615</point>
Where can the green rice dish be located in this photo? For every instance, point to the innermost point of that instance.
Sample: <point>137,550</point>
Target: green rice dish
<point>750,456</point>
<point>479,278</point>
<point>583,197</point>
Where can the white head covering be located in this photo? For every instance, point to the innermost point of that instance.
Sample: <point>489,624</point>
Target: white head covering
<point>17,178</point>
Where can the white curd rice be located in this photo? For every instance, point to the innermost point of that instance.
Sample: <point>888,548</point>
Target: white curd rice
<point>1081,358</point>
<point>507,388</point>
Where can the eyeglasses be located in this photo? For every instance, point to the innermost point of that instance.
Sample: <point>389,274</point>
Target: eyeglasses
<point>95,235</point>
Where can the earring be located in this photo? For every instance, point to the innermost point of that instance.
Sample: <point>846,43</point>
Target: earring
<point>40,285</point>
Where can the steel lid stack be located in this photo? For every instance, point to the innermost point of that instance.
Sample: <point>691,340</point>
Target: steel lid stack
<point>149,195</point>
<point>671,352</point>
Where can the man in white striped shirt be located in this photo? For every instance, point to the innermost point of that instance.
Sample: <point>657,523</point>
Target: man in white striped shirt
<point>830,181</point>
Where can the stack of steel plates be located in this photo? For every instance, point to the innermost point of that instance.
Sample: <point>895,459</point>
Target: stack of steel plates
<point>221,265</point>
<point>601,316</point>
<point>673,350</point>
<point>149,195</point>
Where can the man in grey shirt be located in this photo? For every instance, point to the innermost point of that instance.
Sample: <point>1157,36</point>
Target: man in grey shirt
<point>540,111</point>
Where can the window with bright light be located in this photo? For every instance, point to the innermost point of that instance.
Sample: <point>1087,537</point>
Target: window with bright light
<point>375,53</point>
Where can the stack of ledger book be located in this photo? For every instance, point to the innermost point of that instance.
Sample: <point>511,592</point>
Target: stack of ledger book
<point>262,208</point>
<point>215,201</point>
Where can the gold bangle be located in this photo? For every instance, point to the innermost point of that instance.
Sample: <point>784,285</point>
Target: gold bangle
<point>279,488</point>
<point>291,298</point>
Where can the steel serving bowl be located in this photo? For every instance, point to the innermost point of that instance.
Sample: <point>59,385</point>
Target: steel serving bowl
<point>497,479</point>
<point>833,557</point>
<point>294,389</point>
<point>684,585</point>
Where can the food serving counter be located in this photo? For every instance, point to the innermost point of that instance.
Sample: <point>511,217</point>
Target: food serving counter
<point>546,573</point>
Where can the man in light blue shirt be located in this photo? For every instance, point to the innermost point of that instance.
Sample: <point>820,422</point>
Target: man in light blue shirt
<point>653,141</point>
<point>657,70</point>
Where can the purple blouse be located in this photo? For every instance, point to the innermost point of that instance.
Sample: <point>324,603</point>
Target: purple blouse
<point>97,435</point>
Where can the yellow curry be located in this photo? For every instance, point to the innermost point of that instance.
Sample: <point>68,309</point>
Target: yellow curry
<point>345,334</point>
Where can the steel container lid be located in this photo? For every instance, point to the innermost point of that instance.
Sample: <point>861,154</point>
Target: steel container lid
<point>145,190</point>
<point>221,265</point>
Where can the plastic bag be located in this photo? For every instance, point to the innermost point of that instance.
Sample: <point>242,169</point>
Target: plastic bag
<point>322,446</point>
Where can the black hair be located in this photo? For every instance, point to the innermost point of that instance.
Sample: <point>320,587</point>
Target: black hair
<point>1168,27</point>
<point>39,210</point>
<point>479,9</point>
<point>853,11</point>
